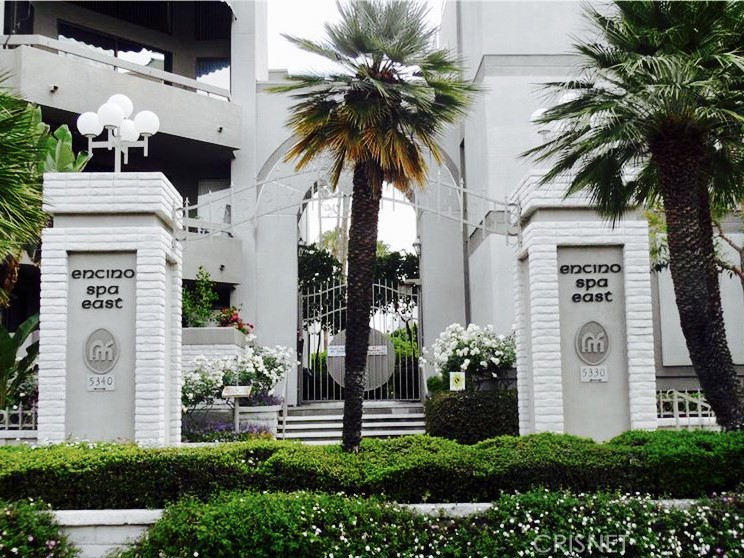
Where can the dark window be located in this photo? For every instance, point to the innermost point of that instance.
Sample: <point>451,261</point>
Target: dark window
<point>19,18</point>
<point>212,21</point>
<point>152,15</point>
<point>114,46</point>
<point>24,299</point>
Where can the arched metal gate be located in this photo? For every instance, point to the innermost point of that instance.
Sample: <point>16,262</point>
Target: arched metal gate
<point>393,356</point>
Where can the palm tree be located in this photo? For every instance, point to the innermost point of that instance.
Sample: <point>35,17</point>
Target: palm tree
<point>21,154</point>
<point>657,113</point>
<point>379,116</point>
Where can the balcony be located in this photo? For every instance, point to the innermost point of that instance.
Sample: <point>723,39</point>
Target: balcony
<point>72,78</point>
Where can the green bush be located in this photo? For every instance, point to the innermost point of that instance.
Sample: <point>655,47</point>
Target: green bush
<point>538,523</point>
<point>28,530</point>
<point>472,416</point>
<point>406,469</point>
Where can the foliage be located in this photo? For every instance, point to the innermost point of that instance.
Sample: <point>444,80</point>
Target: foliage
<point>655,115</point>
<point>470,417</point>
<point>407,469</point>
<point>316,267</point>
<point>405,341</point>
<point>478,352</point>
<point>28,530</point>
<point>538,523</point>
<point>17,371</point>
<point>21,150</point>
<point>198,302</point>
<point>393,268</point>
<point>58,153</point>
<point>230,317</point>
<point>435,384</point>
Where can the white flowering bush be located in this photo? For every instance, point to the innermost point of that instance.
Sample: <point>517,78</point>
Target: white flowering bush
<point>259,367</point>
<point>477,351</point>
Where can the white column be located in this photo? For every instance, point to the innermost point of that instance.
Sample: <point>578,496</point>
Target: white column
<point>110,336</point>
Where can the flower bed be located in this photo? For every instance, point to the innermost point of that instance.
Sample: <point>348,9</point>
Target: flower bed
<point>408,469</point>
<point>538,523</point>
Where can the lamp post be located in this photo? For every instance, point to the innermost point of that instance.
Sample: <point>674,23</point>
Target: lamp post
<point>123,132</point>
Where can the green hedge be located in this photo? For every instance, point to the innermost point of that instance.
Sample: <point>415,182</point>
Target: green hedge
<point>538,523</point>
<point>470,417</point>
<point>28,530</point>
<point>408,469</point>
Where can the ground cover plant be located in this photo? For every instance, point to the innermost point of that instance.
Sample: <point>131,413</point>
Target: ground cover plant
<point>28,530</point>
<point>407,469</point>
<point>538,523</point>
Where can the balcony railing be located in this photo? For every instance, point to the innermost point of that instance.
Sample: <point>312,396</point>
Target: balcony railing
<point>18,418</point>
<point>64,48</point>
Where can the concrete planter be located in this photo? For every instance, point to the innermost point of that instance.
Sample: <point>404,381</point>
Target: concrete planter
<point>265,416</point>
<point>210,336</point>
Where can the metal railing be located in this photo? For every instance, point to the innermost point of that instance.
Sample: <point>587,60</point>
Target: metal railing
<point>20,418</point>
<point>117,64</point>
<point>684,409</point>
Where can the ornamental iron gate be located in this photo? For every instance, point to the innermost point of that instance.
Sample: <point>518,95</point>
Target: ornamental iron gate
<point>393,355</point>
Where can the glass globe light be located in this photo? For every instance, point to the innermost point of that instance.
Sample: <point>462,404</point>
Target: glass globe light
<point>128,131</point>
<point>89,125</point>
<point>110,115</point>
<point>124,102</point>
<point>147,123</point>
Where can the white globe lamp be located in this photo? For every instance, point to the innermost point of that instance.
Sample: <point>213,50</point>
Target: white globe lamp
<point>124,103</point>
<point>110,115</point>
<point>89,125</point>
<point>128,131</point>
<point>147,123</point>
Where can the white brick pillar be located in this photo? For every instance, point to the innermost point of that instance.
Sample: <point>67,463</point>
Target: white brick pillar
<point>110,336</point>
<point>585,347</point>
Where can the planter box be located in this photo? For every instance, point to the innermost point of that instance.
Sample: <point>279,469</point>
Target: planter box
<point>213,336</point>
<point>266,416</point>
<point>210,342</point>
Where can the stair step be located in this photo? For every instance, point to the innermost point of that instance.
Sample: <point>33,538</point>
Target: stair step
<point>334,425</point>
<point>375,417</point>
<point>336,434</point>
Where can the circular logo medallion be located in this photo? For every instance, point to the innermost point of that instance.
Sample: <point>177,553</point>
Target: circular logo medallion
<point>592,343</point>
<point>101,351</point>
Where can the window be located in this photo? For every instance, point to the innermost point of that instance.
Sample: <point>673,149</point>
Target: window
<point>123,49</point>
<point>213,71</point>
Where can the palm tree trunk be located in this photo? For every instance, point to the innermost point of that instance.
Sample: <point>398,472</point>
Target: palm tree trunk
<point>365,209</point>
<point>694,274</point>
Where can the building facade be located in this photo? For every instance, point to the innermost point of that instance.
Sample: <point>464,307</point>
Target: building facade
<point>202,67</point>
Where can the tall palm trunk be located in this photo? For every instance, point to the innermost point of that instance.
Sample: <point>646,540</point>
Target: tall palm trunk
<point>365,210</point>
<point>694,274</point>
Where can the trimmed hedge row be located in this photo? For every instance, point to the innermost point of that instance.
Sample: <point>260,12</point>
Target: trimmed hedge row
<point>539,523</point>
<point>28,530</point>
<point>408,469</point>
<point>469,417</point>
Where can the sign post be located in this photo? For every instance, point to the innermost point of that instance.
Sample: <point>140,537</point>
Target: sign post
<point>110,335</point>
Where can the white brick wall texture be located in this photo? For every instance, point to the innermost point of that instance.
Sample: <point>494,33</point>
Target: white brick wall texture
<point>538,335</point>
<point>156,249</point>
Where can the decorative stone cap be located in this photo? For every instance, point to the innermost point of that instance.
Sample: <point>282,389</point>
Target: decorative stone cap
<point>67,193</point>
<point>531,195</point>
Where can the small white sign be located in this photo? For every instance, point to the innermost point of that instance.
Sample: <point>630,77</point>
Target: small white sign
<point>593,374</point>
<point>373,350</point>
<point>100,382</point>
<point>457,381</point>
<point>236,391</point>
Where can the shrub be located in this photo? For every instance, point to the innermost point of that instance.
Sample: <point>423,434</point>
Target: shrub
<point>28,530</point>
<point>538,523</point>
<point>470,417</point>
<point>407,469</point>
<point>478,352</point>
<point>198,301</point>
